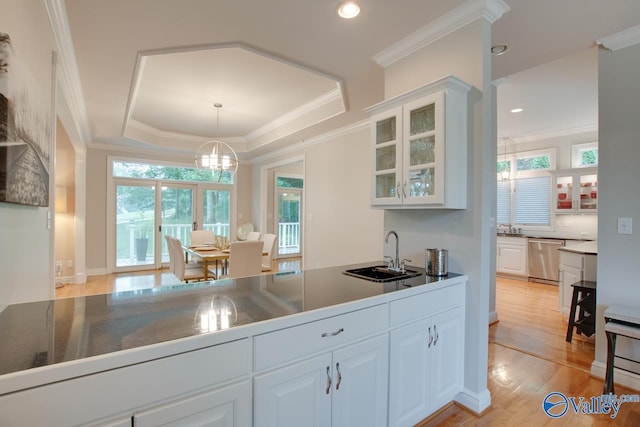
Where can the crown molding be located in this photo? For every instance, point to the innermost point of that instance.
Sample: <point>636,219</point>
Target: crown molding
<point>620,40</point>
<point>557,133</point>
<point>68,77</point>
<point>491,10</point>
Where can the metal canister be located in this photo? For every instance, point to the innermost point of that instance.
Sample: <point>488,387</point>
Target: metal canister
<point>436,261</point>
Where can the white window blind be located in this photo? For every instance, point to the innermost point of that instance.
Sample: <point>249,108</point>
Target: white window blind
<point>503,215</point>
<point>532,200</point>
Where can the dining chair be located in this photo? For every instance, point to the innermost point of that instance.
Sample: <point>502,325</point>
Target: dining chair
<point>172,257</point>
<point>254,235</point>
<point>183,271</point>
<point>269,241</point>
<point>202,237</point>
<point>245,258</point>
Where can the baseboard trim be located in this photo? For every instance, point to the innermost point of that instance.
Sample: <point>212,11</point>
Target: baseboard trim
<point>97,272</point>
<point>620,377</point>
<point>475,402</point>
<point>493,317</point>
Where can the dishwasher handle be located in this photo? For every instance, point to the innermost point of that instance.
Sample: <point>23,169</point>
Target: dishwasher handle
<point>547,241</point>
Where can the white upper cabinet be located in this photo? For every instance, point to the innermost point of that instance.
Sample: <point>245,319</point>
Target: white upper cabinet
<point>419,148</point>
<point>576,191</point>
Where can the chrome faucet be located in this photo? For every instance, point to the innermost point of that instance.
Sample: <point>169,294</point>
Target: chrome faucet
<point>394,264</point>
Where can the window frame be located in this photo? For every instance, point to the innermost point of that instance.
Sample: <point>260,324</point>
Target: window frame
<point>576,154</point>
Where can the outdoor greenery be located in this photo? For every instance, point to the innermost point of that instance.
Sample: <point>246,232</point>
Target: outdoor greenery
<point>590,157</point>
<point>532,163</point>
<point>142,170</point>
<point>284,182</point>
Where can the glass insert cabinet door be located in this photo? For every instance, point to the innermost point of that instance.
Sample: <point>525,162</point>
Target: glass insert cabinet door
<point>387,158</point>
<point>423,126</point>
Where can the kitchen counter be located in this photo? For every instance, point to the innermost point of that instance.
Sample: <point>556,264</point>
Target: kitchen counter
<point>589,248</point>
<point>47,333</point>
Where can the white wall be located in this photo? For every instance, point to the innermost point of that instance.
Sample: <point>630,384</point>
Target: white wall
<point>467,234</point>
<point>619,176</point>
<point>25,254</point>
<point>340,227</point>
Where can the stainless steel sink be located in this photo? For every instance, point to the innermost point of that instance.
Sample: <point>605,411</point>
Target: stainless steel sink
<point>380,273</point>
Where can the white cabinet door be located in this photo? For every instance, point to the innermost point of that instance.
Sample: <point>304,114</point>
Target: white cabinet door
<point>576,190</point>
<point>426,366</point>
<point>387,158</point>
<point>296,396</point>
<point>409,374</point>
<point>512,259</point>
<point>222,407</point>
<point>447,357</point>
<point>360,374</point>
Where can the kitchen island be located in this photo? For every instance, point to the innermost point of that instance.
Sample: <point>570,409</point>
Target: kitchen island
<point>264,350</point>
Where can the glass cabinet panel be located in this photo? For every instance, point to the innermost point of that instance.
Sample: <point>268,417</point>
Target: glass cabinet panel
<point>421,182</point>
<point>588,192</point>
<point>386,130</point>
<point>564,193</point>
<point>386,185</point>
<point>386,158</point>
<point>422,120</point>
<point>422,151</point>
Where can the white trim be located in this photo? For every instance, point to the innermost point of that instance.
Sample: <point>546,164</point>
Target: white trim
<point>554,134</point>
<point>97,272</point>
<point>620,40</point>
<point>493,317</point>
<point>491,10</point>
<point>68,77</point>
<point>624,378</point>
<point>475,402</point>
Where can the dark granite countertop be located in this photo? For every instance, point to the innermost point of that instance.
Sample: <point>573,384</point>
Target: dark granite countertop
<point>48,332</point>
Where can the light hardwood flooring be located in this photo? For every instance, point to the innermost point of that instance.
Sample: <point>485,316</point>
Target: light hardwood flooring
<point>528,355</point>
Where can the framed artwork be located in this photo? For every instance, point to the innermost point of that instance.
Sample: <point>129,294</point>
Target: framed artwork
<point>25,133</point>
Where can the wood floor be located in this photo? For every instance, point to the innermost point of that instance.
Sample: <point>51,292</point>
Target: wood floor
<point>528,355</point>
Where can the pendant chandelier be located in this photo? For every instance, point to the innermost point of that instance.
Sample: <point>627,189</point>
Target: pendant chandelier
<point>215,155</point>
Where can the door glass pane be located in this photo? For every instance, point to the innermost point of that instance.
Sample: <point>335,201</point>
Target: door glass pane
<point>386,185</point>
<point>564,196</point>
<point>386,158</point>
<point>289,205</point>
<point>135,225</point>
<point>386,130</point>
<point>423,151</point>
<point>588,192</point>
<point>177,216</point>
<point>421,182</point>
<point>422,119</point>
<point>216,214</point>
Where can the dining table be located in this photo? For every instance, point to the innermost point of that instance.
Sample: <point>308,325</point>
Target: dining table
<point>208,254</point>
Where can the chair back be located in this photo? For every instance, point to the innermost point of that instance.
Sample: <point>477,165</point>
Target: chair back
<point>202,237</point>
<point>254,235</point>
<point>269,241</point>
<point>172,257</point>
<point>245,258</point>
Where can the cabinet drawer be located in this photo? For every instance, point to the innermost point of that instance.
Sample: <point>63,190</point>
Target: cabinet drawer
<point>426,304</point>
<point>572,260</point>
<point>292,343</point>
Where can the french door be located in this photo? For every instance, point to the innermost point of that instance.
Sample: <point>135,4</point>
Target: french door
<point>147,210</point>
<point>289,225</point>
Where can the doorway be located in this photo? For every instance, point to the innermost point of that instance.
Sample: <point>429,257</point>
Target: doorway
<point>288,214</point>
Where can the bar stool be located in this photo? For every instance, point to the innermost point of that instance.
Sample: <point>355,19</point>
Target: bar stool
<point>583,304</point>
<point>620,320</point>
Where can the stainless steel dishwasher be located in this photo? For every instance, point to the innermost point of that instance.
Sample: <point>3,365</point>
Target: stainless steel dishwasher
<point>544,260</point>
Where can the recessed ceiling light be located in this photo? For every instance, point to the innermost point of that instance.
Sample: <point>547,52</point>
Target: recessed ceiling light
<point>348,9</point>
<point>516,110</point>
<point>499,49</point>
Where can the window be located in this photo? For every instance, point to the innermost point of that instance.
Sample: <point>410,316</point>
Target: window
<point>129,169</point>
<point>525,200</point>
<point>584,155</point>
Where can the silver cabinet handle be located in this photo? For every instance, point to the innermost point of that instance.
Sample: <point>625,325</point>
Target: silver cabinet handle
<point>430,338</point>
<point>435,332</point>
<point>332,334</point>
<point>339,376</point>
<point>328,380</point>
<point>398,189</point>
<point>404,190</point>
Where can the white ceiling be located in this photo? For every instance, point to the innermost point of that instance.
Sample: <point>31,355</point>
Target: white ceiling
<point>151,70</point>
